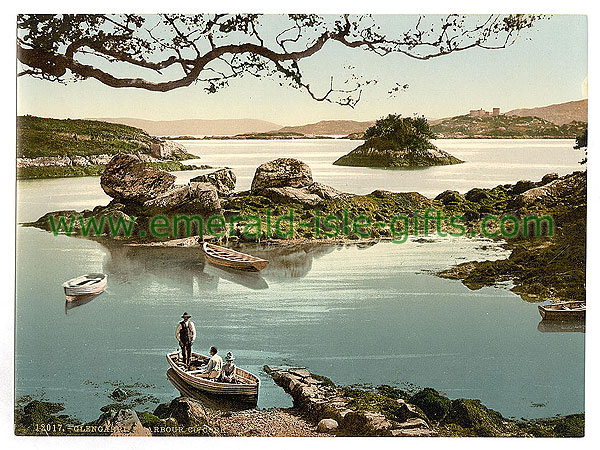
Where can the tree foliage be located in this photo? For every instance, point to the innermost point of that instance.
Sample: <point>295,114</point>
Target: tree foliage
<point>169,51</point>
<point>581,144</point>
<point>405,132</point>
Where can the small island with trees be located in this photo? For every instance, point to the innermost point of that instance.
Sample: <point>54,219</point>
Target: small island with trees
<point>396,141</point>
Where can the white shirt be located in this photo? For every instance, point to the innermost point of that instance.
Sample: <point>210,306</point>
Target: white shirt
<point>214,363</point>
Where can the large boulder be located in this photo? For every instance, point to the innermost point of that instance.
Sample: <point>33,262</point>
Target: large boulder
<point>448,197</point>
<point>164,149</point>
<point>324,191</point>
<point>522,186</point>
<point>186,411</point>
<point>128,178</point>
<point>281,172</point>
<point>477,195</point>
<point>548,178</point>
<point>473,415</point>
<point>569,189</point>
<point>291,195</point>
<point>432,403</point>
<point>194,198</point>
<point>124,422</point>
<point>327,426</point>
<point>223,180</point>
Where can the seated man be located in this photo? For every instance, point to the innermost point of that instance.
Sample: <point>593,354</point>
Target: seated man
<point>228,371</point>
<point>213,368</point>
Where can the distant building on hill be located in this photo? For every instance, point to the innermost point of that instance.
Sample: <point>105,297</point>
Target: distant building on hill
<point>481,113</point>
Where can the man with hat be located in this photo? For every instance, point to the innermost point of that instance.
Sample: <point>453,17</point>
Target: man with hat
<point>185,334</point>
<point>228,370</point>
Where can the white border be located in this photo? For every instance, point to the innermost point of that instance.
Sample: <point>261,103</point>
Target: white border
<point>152,6</point>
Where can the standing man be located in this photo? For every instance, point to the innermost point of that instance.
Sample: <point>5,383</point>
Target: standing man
<point>185,334</point>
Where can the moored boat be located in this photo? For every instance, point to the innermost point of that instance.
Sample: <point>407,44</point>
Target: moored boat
<point>246,386</point>
<point>563,311</point>
<point>225,257</point>
<point>85,286</point>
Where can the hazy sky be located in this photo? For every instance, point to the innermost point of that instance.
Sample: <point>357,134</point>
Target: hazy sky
<point>547,64</point>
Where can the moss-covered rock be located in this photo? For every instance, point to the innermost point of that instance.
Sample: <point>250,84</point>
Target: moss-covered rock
<point>433,404</point>
<point>39,418</point>
<point>149,420</point>
<point>471,414</point>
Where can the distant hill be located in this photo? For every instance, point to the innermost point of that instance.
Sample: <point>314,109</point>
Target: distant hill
<point>329,128</point>
<point>560,114</point>
<point>196,127</point>
<point>505,126</point>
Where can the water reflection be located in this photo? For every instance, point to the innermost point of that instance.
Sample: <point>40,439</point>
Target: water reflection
<point>83,300</point>
<point>251,280</point>
<point>194,275</point>
<point>218,403</point>
<point>289,261</point>
<point>560,326</point>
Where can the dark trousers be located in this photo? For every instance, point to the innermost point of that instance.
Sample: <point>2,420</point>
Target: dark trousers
<point>186,352</point>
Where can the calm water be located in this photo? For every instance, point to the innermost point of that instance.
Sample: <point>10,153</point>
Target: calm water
<point>359,315</point>
<point>488,163</point>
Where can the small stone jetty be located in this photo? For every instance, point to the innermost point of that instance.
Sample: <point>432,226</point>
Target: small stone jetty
<point>327,405</point>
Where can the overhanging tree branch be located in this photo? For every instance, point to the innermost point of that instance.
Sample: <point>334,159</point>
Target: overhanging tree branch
<point>54,46</point>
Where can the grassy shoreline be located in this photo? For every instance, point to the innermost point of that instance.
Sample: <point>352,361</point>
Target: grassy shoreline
<point>94,170</point>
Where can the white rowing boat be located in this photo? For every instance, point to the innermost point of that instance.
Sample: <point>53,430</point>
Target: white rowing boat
<point>85,285</point>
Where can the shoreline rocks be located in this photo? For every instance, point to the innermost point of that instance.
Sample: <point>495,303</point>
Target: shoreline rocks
<point>69,161</point>
<point>146,191</point>
<point>289,180</point>
<point>223,180</point>
<point>281,172</point>
<point>321,400</point>
<point>127,177</point>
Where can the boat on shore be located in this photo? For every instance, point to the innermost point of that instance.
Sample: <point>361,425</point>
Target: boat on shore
<point>246,386</point>
<point>565,311</point>
<point>225,257</point>
<point>214,402</point>
<point>84,286</point>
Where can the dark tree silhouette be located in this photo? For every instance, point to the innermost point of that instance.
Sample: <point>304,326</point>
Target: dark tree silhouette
<point>170,51</point>
<point>581,144</point>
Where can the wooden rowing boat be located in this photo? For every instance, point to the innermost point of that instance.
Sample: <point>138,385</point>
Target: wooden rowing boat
<point>214,402</point>
<point>85,286</point>
<point>247,385</point>
<point>563,311</point>
<point>231,259</point>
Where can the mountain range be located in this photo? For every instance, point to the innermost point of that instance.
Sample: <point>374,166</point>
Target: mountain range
<point>559,114</point>
<point>329,128</point>
<point>196,127</point>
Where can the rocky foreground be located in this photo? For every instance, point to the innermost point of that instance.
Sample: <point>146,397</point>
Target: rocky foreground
<point>320,409</point>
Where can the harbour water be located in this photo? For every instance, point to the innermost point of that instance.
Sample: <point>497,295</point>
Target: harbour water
<point>369,314</point>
